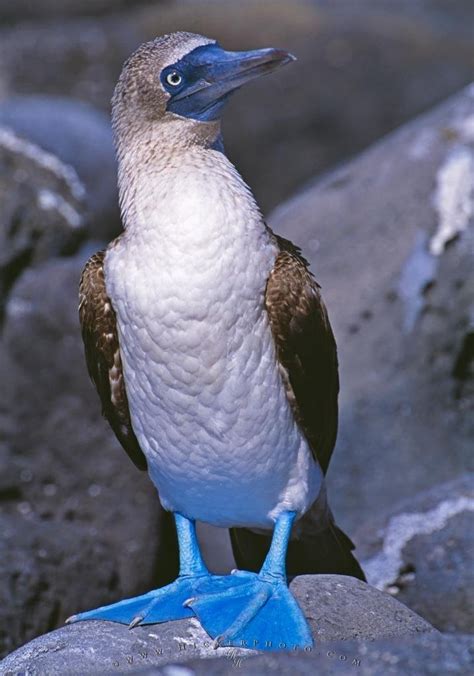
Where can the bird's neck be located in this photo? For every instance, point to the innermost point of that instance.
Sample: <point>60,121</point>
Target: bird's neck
<point>186,194</point>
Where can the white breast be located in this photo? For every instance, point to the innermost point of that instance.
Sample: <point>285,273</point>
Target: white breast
<point>187,281</point>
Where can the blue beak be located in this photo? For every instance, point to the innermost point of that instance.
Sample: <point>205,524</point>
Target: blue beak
<point>209,74</point>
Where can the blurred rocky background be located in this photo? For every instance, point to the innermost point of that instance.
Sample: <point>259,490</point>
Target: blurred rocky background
<point>387,225</point>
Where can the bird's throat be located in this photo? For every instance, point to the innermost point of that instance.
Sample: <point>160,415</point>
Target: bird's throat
<point>191,200</point>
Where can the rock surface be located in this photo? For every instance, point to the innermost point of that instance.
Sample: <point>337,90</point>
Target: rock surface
<point>363,68</point>
<point>42,212</point>
<point>337,607</point>
<point>39,9</point>
<point>39,562</point>
<point>422,553</point>
<point>81,138</point>
<point>427,655</point>
<point>390,239</point>
<point>79,525</point>
<point>342,608</point>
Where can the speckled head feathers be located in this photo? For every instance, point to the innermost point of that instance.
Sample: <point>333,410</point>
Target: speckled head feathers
<point>139,91</point>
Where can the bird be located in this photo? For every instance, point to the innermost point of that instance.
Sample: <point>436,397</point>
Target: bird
<point>211,349</point>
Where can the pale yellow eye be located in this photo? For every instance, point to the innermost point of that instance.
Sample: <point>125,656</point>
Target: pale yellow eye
<point>174,78</point>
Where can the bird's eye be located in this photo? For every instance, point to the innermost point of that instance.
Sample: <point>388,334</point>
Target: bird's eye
<point>174,78</point>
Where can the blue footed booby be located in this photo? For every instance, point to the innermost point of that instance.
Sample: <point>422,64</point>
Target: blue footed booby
<point>211,349</point>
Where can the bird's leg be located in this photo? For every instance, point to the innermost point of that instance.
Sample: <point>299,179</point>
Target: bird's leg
<point>166,603</point>
<point>259,611</point>
<point>275,561</point>
<point>190,559</point>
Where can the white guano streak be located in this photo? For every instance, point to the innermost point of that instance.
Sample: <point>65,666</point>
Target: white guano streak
<point>52,201</point>
<point>453,198</point>
<point>10,141</point>
<point>383,569</point>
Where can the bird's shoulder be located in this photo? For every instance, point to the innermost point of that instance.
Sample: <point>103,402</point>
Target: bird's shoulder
<point>102,351</point>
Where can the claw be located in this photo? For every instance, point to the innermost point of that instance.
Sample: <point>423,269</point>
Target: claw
<point>70,619</point>
<point>136,620</point>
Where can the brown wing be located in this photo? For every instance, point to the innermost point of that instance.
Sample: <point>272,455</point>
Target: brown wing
<point>306,348</point>
<point>99,333</point>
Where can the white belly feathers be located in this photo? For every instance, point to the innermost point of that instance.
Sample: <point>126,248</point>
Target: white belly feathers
<point>206,398</point>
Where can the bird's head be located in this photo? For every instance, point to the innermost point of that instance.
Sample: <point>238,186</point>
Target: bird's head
<point>185,79</point>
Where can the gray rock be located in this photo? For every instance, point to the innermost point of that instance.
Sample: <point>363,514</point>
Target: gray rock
<point>39,9</point>
<point>361,71</point>
<point>390,239</point>
<point>71,491</point>
<point>342,608</point>
<point>421,552</point>
<point>337,607</point>
<point>42,212</point>
<point>81,137</point>
<point>40,564</point>
<point>427,655</point>
<point>9,472</point>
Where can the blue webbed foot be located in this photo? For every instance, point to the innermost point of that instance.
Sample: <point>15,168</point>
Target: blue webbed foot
<point>258,611</point>
<point>159,605</point>
<point>166,603</point>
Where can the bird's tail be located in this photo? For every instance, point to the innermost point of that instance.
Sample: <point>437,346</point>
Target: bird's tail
<point>309,553</point>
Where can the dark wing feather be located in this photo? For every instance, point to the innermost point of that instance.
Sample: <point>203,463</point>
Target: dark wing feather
<point>99,333</point>
<point>306,349</point>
